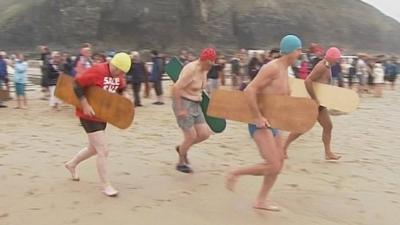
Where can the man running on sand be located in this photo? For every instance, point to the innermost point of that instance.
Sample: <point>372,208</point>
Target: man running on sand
<point>187,95</point>
<point>321,74</point>
<point>271,79</point>
<point>110,77</point>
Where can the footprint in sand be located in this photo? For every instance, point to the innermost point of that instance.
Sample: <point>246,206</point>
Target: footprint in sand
<point>31,192</point>
<point>167,163</point>
<point>4,215</point>
<point>124,174</point>
<point>186,193</point>
<point>75,221</point>
<point>163,200</point>
<point>305,171</point>
<point>135,208</point>
<point>229,153</point>
<point>134,188</point>
<point>293,185</point>
<point>35,209</point>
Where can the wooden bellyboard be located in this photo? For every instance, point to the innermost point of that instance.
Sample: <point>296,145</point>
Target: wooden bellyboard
<point>109,107</point>
<point>283,112</point>
<point>332,97</point>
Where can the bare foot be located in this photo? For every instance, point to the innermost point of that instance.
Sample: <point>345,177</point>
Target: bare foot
<point>266,206</point>
<point>72,170</point>
<point>230,181</point>
<point>110,191</point>
<point>332,156</point>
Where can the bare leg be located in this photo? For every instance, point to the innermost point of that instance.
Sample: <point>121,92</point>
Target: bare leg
<point>292,137</point>
<point>273,156</point>
<point>82,155</point>
<point>326,123</point>
<point>18,102</point>
<point>97,140</point>
<point>192,136</point>
<point>25,102</point>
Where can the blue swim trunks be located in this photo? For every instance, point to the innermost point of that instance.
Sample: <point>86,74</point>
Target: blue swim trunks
<point>253,128</point>
<point>20,89</point>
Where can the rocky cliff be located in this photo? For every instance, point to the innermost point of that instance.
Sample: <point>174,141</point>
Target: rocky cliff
<point>172,24</point>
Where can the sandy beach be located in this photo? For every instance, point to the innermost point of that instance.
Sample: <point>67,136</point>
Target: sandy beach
<point>363,188</point>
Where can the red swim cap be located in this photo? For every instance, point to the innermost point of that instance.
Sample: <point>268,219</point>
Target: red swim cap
<point>333,53</point>
<point>208,54</point>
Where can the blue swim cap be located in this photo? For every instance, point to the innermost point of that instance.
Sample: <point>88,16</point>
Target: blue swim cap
<point>289,44</point>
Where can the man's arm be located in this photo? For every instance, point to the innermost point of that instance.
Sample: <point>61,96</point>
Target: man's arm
<point>264,78</point>
<point>83,81</point>
<point>314,76</point>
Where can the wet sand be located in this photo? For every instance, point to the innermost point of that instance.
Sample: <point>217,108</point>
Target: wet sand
<point>363,188</point>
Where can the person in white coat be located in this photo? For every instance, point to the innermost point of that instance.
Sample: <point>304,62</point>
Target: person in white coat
<point>379,75</point>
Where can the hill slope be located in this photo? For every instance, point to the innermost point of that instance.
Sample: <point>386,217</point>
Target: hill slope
<point>171,24</point>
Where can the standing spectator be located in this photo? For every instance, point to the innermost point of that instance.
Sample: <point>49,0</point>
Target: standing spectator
<point>352,72</point>
<point>221,69</point>
<point>336,70</point>
<point>78,57</point>
<point>183,57</point>
<point>303,72</point>
<point>212,78</point>
<point>235,70</point>
<point>156,76</point>
<point>67,65</point>
<point>99,58</point>
<point>319,55</point>
<point>362,74</point>
<point>45,56</point>
<point>379,79</point>
<point>243,66</point>
<point>370,72</point>
<point>191,58</point>
<point>254,66</point>
<point>3,77</point>
<point>8,62</point>
<point>137,74</point>
<point>391,71</point>
<point>273,54</point>
<point>85,62</point>
<point>53,68</point>
<point>20,68</point>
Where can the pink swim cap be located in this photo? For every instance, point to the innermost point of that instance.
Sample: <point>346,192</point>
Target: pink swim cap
<point>333,53</point>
